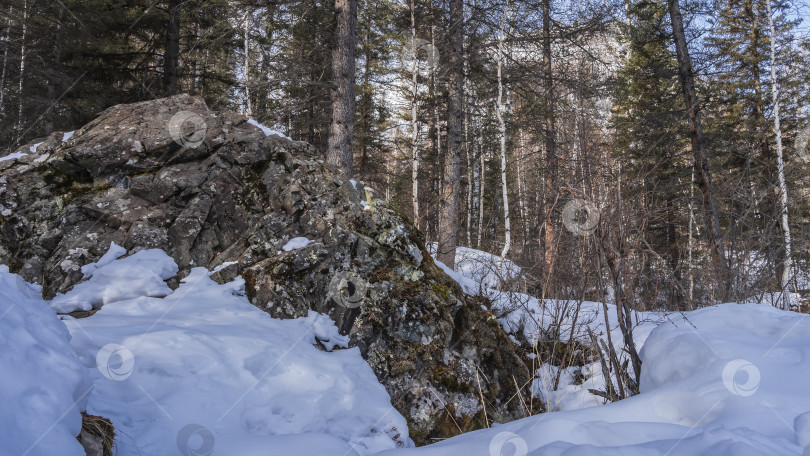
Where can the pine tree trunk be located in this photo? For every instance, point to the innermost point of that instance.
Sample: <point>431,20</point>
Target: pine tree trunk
<point>448,214</point>
<point>171,56</point>
<point>339,151</point>
<point>787,267</point>
<point>704,179</point>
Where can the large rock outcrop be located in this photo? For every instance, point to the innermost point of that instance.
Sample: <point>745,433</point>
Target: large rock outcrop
<point>212,190</point>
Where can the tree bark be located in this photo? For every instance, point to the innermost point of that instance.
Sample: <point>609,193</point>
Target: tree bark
<point>5,63</point>
<point>704,180</point>
<point>339,150</point>
<point>414,120</point>
<point>501,109</point>
<point>22,74</point>
<point>448,214</point>
<point>481,190</point>
<point>551,152</point>
<point>787,266</point>
<point>171,56</point>
<point>248,107</point>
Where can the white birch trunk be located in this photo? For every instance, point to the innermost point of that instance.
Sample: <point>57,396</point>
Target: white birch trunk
<point>22,73</point>
<point>5,63</point>
<point>482,186</point>
<point>787,271</point>
<point>691,236</point>
<point>414,122</point>
<point>501,109</point>
<point>248,108</point>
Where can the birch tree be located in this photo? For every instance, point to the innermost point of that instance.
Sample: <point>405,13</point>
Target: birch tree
<point>414,119</point>
<point>501,109</point>
<point>787,265</point>
<point>5,63</point>
<point>22,72</point>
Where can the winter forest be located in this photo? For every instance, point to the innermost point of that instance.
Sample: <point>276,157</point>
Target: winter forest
<point>393,227</point>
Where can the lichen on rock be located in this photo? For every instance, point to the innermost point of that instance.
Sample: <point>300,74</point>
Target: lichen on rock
<point>235,197</point>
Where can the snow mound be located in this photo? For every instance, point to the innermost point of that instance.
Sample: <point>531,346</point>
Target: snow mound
<point>204,371</point>
<point>730,382</point>
<point>140,274</point>
<point>44,386</point>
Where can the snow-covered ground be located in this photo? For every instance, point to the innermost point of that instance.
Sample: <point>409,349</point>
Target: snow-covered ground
<point>732,383</point>
<point>198,370</point>
<point>43,386</point>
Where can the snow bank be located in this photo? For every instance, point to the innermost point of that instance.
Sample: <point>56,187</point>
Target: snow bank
<point>205,372</point>
<point>43,387</point>
<point>484,269</point>
<point>731,383</point>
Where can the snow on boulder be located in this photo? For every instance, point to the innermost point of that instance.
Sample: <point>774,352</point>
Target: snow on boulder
<point>204,371</point>
<point>43,386</point>
<point>296,243</point>
<point>145,273</point>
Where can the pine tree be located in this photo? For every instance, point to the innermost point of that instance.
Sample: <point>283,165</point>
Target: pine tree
<point>651,134</point>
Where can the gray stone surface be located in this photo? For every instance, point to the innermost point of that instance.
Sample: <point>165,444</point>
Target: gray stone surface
<point>239,196</point>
